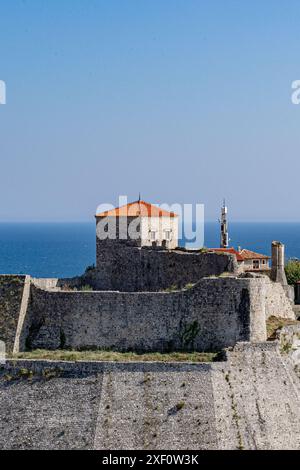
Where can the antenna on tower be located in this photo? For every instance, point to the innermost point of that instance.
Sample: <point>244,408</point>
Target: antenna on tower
<point>224,242</point>
<point>139,196</point>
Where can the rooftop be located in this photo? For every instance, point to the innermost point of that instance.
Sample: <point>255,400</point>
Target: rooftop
<point>137,209</point>
<point>241,255</point>
<point>229,250</point>
<point>247,254</point>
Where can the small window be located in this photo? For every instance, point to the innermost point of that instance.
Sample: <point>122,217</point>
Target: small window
<point>255,264</point>
<point>168,234</point>
<point>263,261</point>
<point>153,235</point>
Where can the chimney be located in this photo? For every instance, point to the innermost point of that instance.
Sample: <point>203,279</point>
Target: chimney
<point>277,271</point>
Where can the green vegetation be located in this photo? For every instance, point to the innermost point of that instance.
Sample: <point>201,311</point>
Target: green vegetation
<point>100,355</point>
<point>189,285</point>
<point>286,348</point>
<point>226,274</point>
<point>292,271</point>
<point>175,288</point>
<point>189,334</point>
<point>276,323</point>
<point>51,373</point>
<point>20,374</point>
<point>25,373</point>
<point>86,288</point>
<point>172,288</point>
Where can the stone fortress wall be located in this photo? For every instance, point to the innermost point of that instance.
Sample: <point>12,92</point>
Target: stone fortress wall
<point>249,401</point>
<point>214,313</point>
<point>148,300</point>
<point>129,268</point>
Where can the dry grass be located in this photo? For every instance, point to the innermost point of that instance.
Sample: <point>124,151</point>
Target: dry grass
<point>276,323</point>
<point>99,355</point>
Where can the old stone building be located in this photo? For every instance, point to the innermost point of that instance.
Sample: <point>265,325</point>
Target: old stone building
<point>254,261</point>
<point>141,222</point>
<point>248,261</point>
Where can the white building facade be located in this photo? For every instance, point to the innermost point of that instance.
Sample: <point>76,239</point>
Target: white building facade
<point>141,222</point>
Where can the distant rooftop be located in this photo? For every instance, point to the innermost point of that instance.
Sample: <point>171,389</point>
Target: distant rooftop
<point>136,209</point>
<point>247,254</point>
<point>229,250</point>
<point>241,255</point>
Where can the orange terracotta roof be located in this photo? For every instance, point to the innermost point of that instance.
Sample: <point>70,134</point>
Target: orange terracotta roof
<point>136,209</point>
<point>247,254</point>
<point>229,250</point>
<point>241,255</point>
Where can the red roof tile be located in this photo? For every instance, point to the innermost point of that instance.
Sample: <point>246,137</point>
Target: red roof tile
<point>241,255</point>
<point>136,209</point>
<point>247,254</point>
<point>229,250</point>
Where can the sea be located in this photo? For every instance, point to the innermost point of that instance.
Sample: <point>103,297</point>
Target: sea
<point>66,249</point>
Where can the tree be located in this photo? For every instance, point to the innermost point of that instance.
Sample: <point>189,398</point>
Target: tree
<point>292,271</point>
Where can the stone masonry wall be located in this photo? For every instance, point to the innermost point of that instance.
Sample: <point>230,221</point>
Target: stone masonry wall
<point>130,268</point>
<point>277,302</point>
<point>11,293</point>
<point>250,401</point>
<point>277,299</point>
<point>215,313</point>
<point>256,398</point>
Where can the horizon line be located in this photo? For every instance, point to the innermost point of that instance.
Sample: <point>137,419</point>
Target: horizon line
<point>85,221</point>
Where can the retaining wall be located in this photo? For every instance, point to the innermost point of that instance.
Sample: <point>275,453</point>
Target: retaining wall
<point>215,313</point>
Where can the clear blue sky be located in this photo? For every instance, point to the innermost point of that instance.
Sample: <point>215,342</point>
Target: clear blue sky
<point>183,100</point>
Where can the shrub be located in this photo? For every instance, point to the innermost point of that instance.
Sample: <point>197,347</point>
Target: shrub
<point>25,373</point>
<point>189,285</point>
<point>172,288</point>
<point>292,271</point>
<point>189,334</point>
<point>86,287</point>
<point>276,323</point>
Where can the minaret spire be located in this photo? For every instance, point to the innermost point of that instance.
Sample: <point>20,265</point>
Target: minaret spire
<point>224,242</point>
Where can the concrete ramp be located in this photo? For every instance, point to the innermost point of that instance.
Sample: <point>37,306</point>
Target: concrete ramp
<point>250,401</point>
<point>45,406</point>
<point>256,398</point>
<point>157,406</point>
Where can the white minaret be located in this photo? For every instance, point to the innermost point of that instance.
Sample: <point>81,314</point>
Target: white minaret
<point>224,243</point>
